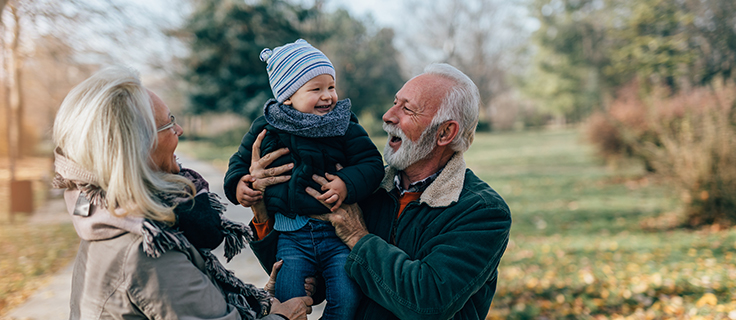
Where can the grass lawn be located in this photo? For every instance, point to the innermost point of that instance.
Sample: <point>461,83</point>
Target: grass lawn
<point>577,248</point>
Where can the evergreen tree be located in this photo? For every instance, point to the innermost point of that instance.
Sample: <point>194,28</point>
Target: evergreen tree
<point>225,74</point>
<point>587,49</point>
<point>224,71</point>
<point>366,64</point>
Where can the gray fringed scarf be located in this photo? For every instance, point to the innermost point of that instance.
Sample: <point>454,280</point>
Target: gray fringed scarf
<point>158,238</point>
<point>333,124</point>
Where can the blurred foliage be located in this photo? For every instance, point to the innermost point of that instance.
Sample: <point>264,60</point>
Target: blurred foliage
<point>225,37</point>
<point>625,122</point>
<point>587,49</point>
<point>689,138</point>
<point>30,139</point>
<point>570,51</point>
<point>482,38</point>
<point>228,138</point>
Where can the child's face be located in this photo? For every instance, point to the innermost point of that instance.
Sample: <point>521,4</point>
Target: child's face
<point>317,96</point>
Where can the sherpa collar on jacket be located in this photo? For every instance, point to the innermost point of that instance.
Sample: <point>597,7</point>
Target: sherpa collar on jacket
<point>444,190</point>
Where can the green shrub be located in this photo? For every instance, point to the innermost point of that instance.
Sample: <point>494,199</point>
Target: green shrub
<point>231,137</point>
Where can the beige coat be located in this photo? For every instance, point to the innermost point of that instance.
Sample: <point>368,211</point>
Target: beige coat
<point>114,278</point>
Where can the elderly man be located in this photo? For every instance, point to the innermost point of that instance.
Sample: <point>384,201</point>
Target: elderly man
<point>428,242</point>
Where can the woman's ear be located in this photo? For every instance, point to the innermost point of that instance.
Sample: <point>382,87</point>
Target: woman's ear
<point>447,132</point>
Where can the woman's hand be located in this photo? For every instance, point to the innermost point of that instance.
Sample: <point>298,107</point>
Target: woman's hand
<point>246,196</point>
<point>261,176</point>
<point>295,308</point>
<point>310,283</point>
<point>251,186</point>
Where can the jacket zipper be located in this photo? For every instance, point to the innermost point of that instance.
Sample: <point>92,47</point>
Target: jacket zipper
<point>393,231</point>
<point>395,223</point>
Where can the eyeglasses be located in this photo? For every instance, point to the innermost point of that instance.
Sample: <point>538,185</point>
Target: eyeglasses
<point>168,125</point>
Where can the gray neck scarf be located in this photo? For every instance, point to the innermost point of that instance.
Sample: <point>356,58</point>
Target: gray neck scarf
<point>333,124</point>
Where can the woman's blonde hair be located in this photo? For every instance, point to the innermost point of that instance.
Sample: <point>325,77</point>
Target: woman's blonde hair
<point>106,125</point>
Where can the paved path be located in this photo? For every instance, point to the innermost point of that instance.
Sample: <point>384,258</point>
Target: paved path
<point>51,302</point>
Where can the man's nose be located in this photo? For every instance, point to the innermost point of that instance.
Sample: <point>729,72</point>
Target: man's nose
<point>389,116</point>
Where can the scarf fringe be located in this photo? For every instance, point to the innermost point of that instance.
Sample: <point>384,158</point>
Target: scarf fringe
<point>236,290</point>
<point>158,239</point>
<point>239,302</point>
<point>235,234</point>
<point>215,202</point>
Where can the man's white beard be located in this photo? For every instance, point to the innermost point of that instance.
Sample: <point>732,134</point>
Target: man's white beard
<point>409,152</point>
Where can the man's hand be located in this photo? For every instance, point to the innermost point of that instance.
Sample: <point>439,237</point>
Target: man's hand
<point>294,309</point>
<point>347,219</point>
<point>335,191</point>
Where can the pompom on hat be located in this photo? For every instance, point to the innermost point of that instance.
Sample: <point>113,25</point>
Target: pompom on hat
<point>292,65</point>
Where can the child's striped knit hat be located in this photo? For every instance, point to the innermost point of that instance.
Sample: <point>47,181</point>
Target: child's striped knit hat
<point>292,65</point>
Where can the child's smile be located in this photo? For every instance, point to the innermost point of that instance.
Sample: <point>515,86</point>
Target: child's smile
<point>317,96</point>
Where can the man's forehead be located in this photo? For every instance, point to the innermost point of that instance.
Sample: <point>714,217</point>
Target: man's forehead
<point>424,88</point>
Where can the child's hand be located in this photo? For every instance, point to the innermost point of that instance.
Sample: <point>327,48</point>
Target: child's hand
<point>335,191</point>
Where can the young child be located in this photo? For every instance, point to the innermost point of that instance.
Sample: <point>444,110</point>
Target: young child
<point>320,133</point>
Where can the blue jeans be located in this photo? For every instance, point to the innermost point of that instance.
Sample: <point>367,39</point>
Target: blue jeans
<point>311,250</point>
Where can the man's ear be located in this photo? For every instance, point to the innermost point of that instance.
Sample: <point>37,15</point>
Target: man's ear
<point>447,132</point>
<point>287,102</point>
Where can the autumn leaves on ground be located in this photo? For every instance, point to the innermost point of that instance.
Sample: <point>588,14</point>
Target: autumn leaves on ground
<point>31,250</point>
<point>582,245</point>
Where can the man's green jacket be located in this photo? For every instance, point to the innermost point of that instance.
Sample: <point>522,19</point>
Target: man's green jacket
<point>438,260</point>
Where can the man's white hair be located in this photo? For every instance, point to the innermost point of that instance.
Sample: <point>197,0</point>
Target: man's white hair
<point>461,103</point>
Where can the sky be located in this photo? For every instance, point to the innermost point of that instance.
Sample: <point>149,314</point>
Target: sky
<point>384,12</point>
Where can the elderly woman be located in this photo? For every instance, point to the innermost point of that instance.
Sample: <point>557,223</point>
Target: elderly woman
<point>147,225</point>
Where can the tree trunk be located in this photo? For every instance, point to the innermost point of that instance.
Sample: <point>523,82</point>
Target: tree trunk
<point>2,6</point>
<point>16,97</point>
